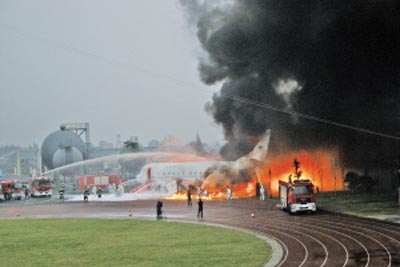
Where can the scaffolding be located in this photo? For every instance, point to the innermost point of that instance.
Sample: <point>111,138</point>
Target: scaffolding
<point>79,128</point>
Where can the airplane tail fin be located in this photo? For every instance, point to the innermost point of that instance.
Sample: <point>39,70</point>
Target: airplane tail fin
<point>259,152</point>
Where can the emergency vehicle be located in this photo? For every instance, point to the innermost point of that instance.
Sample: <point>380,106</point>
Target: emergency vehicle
<point>12,189</point>
<point>40,186</point>
<point>297,196</point>
<point>1,194</point>
<point>99,182</point>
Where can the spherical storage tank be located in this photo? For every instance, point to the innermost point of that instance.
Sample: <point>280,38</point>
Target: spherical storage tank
<point>65,156</point>
<point>62,147</point>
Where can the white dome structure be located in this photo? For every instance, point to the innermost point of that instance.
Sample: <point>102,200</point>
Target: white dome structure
<point>62,140</point>
<point>65,156</point>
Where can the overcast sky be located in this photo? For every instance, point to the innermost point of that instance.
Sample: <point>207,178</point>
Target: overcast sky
<point>127,67</point>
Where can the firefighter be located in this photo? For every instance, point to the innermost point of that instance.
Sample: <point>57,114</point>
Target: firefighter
<point>206,194</point>
<point>262,193</point>
<point>26,191</point>
<point>86,195</point>
<point>199,193</point>
<point>200,208</point>
<point>159,209</point>
<point>61,192</point>
<point>99,192</point>
<point>62,188</point>
<point>189,198</point>
<point>228,193</point>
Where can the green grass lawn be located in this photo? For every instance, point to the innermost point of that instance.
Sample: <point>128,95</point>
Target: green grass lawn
<point>358,203</point>
<point>102,242</point>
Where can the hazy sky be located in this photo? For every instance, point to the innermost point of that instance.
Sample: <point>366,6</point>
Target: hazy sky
<point>128,67</point>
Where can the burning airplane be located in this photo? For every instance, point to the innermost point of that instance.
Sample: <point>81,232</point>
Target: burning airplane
<point>213,176</point>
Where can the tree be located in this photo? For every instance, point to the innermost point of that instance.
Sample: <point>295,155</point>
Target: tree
<point>396,173</point>
<point>131,146</point>
<point>360,184</point>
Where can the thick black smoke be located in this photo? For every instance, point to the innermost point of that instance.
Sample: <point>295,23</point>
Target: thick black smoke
<point>338,60</point>
<point>221,175</point>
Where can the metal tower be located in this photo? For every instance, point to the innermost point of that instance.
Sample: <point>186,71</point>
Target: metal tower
<point>80,128</point>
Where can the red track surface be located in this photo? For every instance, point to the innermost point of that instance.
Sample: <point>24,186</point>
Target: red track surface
<point>323,239</point>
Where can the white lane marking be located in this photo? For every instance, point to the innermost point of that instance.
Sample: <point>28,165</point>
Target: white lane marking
<point>367,236</point>
<point>340,233</point>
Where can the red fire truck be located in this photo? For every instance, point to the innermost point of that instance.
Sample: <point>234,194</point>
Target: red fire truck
<point>102,181</point>
<point>41,186</point>
<point>1,194</point>
<point>297,196</point>
<point>12,189</point>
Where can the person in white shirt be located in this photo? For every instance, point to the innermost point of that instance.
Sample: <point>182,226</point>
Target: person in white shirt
<point>228,193</point>
<point>262,193</point>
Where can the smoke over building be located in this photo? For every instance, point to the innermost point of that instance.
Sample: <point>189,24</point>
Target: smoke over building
<point>336,60</point>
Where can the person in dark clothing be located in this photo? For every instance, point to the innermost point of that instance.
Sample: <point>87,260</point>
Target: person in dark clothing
<point>159,209</point>
<point>99,192</point>
<point>200,210</point>
<point>61,193</point>
<point>189,198</point>
<point>86,195</point>
<point>26,192</point>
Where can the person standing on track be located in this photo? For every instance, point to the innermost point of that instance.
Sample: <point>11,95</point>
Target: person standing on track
<point>206,194</point>
<point>86,195</point>
<point>159,209</point>
<point>200,209</point>
<point>99,192</point>
<point>262,193</point>
<point>228,193</point>
<point>27,193</point>
<point>189,198</point>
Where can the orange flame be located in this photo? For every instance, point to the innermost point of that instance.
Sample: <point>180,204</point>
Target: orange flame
<point>178,195</point>
<point>321,167</point>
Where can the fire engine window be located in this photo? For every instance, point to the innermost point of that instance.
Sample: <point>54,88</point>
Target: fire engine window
<point>302,190</point>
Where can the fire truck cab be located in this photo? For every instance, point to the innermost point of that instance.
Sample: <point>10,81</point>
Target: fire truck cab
<point>12,189</point>
<point>41,186</point>
<point>297,196</point>
<point>1,194</point>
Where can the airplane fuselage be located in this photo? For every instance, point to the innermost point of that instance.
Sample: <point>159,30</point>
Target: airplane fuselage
<point>191,171</point>
<point>174,170</point>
